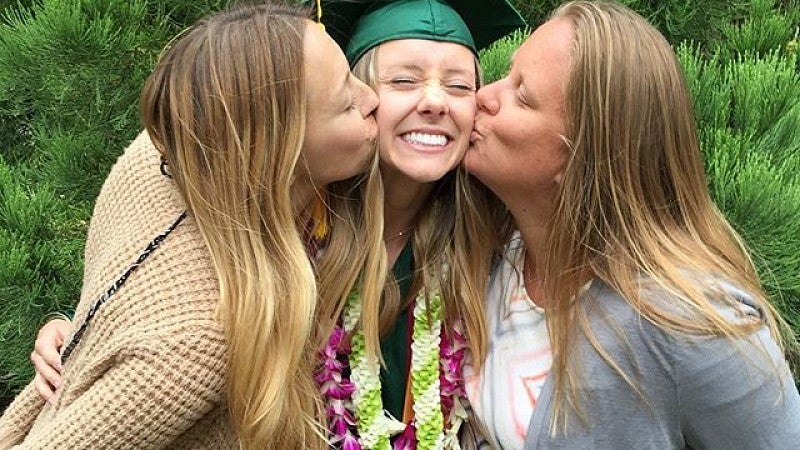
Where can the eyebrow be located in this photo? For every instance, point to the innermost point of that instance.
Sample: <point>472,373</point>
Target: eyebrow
<point>405,66</point>
<point>463,72</point>
<point>416,68</point>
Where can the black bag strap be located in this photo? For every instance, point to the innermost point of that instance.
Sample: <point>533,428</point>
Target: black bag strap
<point>151,247</point>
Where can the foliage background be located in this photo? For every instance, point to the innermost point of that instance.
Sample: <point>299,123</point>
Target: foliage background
<point>71,70</point>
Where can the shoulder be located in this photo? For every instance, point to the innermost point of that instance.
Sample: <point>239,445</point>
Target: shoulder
<point>176,285</point>
<point>616,331</point>
<point>623,330</point>
<point>601,301</point>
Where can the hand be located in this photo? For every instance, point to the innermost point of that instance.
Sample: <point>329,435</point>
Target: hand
<point>46,357</point>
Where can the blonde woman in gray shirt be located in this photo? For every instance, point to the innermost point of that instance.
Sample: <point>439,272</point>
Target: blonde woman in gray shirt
<point>646,325</point>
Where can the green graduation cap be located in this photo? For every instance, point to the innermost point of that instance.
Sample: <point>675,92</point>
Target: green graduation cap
<point>359,25</point>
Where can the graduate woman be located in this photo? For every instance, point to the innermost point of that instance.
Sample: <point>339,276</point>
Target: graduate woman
<point>420,56</point>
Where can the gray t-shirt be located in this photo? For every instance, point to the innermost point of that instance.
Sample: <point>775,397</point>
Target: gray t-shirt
<point>701,392</point>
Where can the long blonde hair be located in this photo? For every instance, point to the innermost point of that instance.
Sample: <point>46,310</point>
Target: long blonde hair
<point>434,248</point>
<point>633,204</point>
<point>226,106</point>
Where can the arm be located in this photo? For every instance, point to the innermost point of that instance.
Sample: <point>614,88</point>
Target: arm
<point>18,418</point>
<point>737,394</point>
<point>155,391</point>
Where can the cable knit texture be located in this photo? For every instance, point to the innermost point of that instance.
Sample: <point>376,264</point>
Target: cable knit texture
<point>150,371</point>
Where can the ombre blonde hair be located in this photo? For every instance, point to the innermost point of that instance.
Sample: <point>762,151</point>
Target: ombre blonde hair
<point>633,208</point>
<point>434,248</point>
<point>226,106</point>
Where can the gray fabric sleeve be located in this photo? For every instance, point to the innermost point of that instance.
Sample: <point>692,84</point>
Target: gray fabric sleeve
<point>730,397</point>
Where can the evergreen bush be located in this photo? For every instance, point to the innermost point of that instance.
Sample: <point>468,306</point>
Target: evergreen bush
<point>678,20</point>
<point>70,75</point>
<point>766,27</point>
<point>71,71</point>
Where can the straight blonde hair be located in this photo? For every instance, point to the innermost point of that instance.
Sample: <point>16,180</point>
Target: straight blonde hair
<point>634,203</point>
<point>226,106</point>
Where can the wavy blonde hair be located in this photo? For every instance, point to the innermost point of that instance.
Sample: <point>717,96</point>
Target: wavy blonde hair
<point>226,106</point>
<point>434,248</point>
<point>633,203</point>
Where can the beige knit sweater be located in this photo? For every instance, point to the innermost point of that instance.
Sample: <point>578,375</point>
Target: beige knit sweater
<point>150,371</point>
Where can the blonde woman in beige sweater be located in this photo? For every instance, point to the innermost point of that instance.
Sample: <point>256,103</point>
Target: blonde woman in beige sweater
<point>199,304</point>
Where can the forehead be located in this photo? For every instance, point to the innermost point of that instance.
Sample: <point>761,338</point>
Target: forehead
<point>426,54</point>
<point>325,65</point>
<point>318,46</point>
<point>548,48</point>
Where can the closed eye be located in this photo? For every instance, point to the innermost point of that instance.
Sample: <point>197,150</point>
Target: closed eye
<point>352,103</point>
<point>402,81</point>
<point>522,100</point>
<point>461,87</point>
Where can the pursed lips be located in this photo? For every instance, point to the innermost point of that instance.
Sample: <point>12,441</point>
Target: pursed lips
<point>475,136</point>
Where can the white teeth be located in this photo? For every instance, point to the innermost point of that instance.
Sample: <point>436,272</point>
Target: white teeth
<point>425,139</point>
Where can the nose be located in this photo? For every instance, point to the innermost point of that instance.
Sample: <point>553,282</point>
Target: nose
<point>369,99</point>
<point>433,101</point>
<point>487,98</point>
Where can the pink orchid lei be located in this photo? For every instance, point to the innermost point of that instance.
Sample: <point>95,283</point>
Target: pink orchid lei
<point>453,350</point>
<point>337,391</point>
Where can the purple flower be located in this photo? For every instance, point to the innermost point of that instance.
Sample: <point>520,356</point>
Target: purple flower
<point>339,426</point>
<point>338,391</point>
<point>350,442</point>
<point>452,351</point>
<point>407,440</point>
<point>335,408</point>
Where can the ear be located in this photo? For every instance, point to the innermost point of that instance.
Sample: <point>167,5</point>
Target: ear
<point>558,177</point>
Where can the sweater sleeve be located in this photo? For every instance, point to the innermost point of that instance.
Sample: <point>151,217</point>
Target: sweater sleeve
<point>156,390</point>
<point>18,418</point>
<point>736,394</point>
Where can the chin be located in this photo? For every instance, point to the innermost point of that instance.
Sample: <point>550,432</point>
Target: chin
<point>427,178</point>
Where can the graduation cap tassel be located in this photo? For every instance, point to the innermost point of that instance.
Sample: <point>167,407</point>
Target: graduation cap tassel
<point>319,14</point>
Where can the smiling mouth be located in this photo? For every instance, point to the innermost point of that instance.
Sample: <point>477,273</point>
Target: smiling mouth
<point>430,140</point>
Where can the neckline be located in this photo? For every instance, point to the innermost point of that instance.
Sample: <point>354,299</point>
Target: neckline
<point>520,291</point>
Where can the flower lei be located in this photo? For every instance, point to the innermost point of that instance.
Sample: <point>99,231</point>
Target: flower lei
<point>355,404</point>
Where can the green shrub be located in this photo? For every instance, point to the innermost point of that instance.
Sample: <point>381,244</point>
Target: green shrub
<point>765,28</point>
<point>70,75</point>
<point>496,60</point>
<point>678,20</point>
<point>40,259</point>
